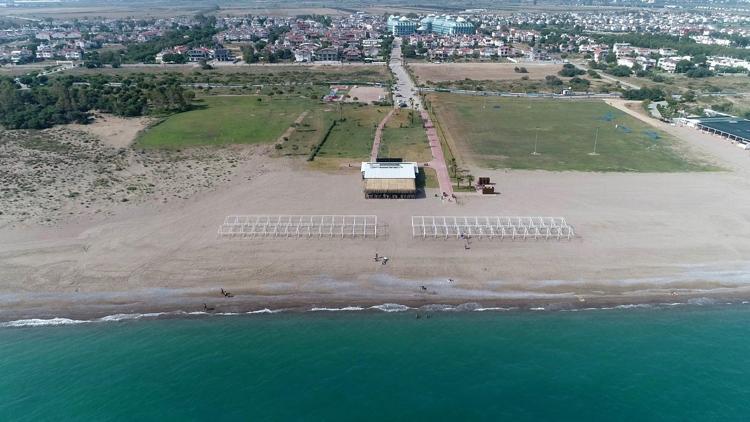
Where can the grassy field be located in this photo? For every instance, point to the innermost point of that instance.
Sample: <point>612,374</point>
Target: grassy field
<point>227,120</point>
<point>427,178</point>
<point>677,83</point>
<point>352,138</point>
<point>251,74</point>
<point>404,139</point>
<point>309,132</point>
<point>501,134</point>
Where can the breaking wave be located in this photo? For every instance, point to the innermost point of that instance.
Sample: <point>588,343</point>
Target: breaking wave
<point>391,307</point>
<point>386,307</point>
<point>36,322</point>
<point>346,308</point>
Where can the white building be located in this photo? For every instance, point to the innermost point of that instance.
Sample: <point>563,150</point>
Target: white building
<point>390,180</point>
<point>669,64</point>
<point>619,47</point>
<point>44,51</point>
<point>626,61</point>
<point>715,62</point>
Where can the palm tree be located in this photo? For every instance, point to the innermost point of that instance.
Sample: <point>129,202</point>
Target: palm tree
<point>470,179</point>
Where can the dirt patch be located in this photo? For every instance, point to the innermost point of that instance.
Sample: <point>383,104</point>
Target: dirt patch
<point>366,94</point>
<point>114,131</point>
<point>50,175</point>
<point>480,71</point>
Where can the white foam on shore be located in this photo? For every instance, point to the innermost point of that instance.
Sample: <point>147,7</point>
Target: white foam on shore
<point>632,306</point>
<point>391,307</point>
<point>702,301</point>
<point>346,308</point>
<point>386,307</point>
<point>494,308</point>
<point>265,311</point>
<point>130,317</point>
<point>37,322</point>
<point>438,308</point>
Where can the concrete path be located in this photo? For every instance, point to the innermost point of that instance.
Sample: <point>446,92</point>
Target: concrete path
<point>405,89</point>
<point>379,136</point>
<point>438,159</point>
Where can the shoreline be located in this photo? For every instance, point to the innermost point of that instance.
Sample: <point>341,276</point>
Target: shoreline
<point>134,307</point>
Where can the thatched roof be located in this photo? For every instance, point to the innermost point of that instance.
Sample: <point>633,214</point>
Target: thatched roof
<point>401,186</point>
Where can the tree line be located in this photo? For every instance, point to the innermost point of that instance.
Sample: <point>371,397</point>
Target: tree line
<point>72,99</point>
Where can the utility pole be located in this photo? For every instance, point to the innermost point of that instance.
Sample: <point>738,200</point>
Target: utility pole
<point>536,141</point>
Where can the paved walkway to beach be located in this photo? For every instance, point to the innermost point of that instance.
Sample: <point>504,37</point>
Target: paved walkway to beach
<point>407,89</point>
<point>438,159</point>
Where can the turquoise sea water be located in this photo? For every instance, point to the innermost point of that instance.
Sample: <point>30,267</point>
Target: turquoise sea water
<point>680,364</point>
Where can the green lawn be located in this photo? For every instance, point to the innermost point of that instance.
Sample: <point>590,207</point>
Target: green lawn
<point>404,138</point>
<point>352,138</point>
<point>427,178</point>
<point>500,132</point>
<point>309,132</point>
<point>228,120</point>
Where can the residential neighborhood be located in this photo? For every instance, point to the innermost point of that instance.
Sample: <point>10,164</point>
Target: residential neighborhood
<point>469,35</point>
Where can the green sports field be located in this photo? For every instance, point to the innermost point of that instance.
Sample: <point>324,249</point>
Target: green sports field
<point>498,132</point>
<point>228,120</point>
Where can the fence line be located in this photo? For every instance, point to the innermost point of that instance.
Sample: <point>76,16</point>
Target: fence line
<point>299,226</point>
<point>514,228</point>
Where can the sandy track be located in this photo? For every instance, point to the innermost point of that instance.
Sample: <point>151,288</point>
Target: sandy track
<point>379,135</point>
<point>290,130</point>
<point>114,131</point>
<point>366,94</point>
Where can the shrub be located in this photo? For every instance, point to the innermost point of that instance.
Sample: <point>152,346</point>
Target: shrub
<point>621,71</point>
<point>570,70</point>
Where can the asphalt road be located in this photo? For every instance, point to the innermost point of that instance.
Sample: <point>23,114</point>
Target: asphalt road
<point>404,88</point>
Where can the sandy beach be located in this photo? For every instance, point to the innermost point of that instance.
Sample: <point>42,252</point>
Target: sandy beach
<point>641,238</point>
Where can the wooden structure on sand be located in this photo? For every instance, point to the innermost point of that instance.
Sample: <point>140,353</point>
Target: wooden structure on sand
<point>390,180</point>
